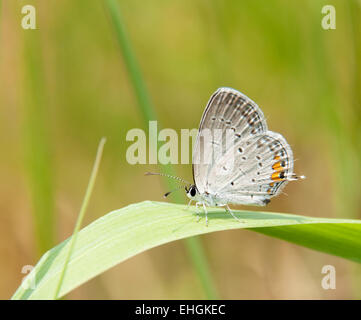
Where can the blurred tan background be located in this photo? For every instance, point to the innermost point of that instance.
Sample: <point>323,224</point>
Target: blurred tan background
<point>64,86</point>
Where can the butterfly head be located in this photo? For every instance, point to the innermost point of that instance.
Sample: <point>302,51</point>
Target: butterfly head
<point>192,192</point>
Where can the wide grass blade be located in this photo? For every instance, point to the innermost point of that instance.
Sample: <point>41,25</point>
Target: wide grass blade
<point>123,233</point>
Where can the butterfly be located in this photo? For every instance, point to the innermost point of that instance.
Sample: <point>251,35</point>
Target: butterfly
<point>251,169</point>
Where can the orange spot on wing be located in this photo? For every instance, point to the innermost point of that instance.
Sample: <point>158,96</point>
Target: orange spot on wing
<point>277,166</point>
<point>276,176</point>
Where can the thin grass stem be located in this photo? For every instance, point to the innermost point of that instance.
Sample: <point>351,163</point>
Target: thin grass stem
<point>37,142</point>
<point>81,213</point>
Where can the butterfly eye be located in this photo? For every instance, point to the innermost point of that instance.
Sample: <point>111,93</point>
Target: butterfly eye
<point>192,191</point>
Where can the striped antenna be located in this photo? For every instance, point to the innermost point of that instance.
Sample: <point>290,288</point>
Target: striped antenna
<point>169,192</point>
<point>167,175</point>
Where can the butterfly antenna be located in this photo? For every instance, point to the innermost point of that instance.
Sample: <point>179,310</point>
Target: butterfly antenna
<point>169,192</point>
<point>166,175</point>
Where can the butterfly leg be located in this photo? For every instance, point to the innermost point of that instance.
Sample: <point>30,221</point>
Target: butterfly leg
<point>197,209</point>
<point>205,212</point>
<point>229,210</point>
<point>189,203</point>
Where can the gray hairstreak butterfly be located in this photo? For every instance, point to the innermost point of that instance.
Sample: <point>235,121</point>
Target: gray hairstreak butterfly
<point>251,168</point>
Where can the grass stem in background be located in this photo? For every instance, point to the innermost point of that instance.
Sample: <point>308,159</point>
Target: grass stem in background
<point>37,142</point>
<point>193,245</point>
<point>81,213</point>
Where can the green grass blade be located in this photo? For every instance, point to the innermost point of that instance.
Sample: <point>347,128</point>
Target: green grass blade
<point>81,213</point>
<point>123,233</point>
<point>193,245</point>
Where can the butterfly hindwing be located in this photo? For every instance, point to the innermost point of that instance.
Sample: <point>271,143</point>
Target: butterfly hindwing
<point>261,167</point>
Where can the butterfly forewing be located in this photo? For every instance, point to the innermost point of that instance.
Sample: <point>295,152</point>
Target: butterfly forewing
<point>229,114</point>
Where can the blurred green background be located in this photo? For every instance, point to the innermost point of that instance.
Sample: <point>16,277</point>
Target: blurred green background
<point>65,85</point>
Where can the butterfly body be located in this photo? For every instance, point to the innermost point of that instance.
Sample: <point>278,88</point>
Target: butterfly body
<point>214,200</point>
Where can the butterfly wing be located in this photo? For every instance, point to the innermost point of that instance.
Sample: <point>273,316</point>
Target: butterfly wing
<point>254,167</point>
<point>228,110</point>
